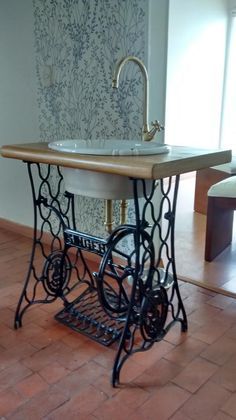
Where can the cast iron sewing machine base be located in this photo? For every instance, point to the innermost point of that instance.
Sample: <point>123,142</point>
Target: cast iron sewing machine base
<point>130,300</point>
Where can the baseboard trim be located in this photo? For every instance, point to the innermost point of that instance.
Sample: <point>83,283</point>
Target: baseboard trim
<point>208,286</point>
<point>28,232</point>
<point>23,230</point>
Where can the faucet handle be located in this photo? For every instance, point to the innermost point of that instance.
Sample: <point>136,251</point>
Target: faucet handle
<point>149,135</point>
<point>157,125</point>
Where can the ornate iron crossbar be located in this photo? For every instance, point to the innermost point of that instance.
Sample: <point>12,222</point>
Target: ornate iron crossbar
<point>134,296</point>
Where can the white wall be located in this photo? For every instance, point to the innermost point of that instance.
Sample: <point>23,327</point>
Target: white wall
<point>18,106</point>
<point>158,33</point>
<point>18,109</point>
<point>231,4</point>
<point>195,69</point>
<point>196,37</point>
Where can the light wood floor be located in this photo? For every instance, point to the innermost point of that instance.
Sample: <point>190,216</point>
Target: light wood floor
<point>218,275</point>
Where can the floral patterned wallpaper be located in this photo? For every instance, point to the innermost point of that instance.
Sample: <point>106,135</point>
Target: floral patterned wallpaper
<point>77,44</point>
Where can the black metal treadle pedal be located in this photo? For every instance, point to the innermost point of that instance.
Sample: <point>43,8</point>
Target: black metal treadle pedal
<point>86,315</point>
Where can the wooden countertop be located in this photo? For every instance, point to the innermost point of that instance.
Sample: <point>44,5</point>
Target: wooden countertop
<point>179,160</point>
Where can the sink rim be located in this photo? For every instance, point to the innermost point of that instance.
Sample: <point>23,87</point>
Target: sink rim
<point>109,147</point>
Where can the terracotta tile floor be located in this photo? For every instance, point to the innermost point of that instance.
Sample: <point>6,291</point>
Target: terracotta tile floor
<point>50,372</point>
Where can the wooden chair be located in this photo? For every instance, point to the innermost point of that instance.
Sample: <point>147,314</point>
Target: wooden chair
<point>220,213</point>
<point>207,177</point>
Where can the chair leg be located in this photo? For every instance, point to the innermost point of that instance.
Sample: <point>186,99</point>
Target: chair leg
<point>218,229</point>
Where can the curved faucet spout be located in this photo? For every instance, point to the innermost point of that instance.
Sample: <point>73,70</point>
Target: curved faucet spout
<point>115,84</point>
<point>147,133</point>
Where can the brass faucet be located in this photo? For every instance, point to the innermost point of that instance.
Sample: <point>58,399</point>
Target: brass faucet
<point>147,133</point>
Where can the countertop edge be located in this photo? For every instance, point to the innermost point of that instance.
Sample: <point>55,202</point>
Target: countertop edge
<point>179,160</point>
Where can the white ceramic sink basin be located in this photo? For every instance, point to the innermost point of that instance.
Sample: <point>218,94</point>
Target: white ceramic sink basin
<point>109,147</point>
<point>102,185</point>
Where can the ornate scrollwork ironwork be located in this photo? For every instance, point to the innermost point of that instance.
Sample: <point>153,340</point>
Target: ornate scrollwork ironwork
<point>42,276</point>
<point>153,314</point>
<point>118,271</point>
<point>130,285</point>
<point>147,323</point>
<point>56,273</point>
